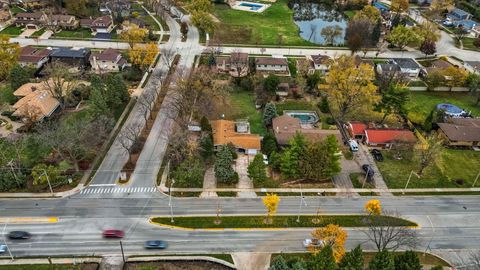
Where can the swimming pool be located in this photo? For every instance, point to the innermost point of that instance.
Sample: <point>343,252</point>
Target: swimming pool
<point>249,6</point>
<point>306,117</point>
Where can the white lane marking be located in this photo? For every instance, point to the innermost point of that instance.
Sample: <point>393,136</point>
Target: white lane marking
<point>101,185</point>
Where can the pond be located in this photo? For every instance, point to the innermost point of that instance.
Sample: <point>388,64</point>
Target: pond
<point>311,18</point>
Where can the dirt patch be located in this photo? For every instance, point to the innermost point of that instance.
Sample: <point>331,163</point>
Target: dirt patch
<point>232,34</point>
<point>177,265</point>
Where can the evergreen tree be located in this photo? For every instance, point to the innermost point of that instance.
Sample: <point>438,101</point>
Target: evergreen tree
<point>290,159</point>
<point>278,263</point>
<point>233,150</point>
<point>97,101</point>
<point>223,165</point>
<point>269,113</point>
<point>376,33</point>
<point>408,261</point>
<point>189,173</point>
<point>269,144</point>
<point>205,125</point>
<point>353,260</point>
<point>206,146</point>
<point>117,90</point>
<point>319,161</point>
<point>323,105</point>
<point>323,260</point>
<point>383,260</point>
<point>270,84</point>
<point>18,76</point>
<point>256,169</point>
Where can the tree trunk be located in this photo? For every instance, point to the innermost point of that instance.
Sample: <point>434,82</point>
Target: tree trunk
<point>75,165</point>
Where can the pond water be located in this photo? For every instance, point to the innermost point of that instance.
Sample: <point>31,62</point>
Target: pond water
<point>311,18</point>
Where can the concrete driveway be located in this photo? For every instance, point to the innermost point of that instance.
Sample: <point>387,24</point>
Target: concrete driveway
<point>363,156</point>
<point>244,182</point>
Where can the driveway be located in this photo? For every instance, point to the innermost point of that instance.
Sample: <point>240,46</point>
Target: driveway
<point>27,33</point>
<point>342,180</point>
<point>244,182</point>
<point>363,156</point>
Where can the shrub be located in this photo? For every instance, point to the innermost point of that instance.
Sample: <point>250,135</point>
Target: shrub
<point>323,105</point>
<point>460,182</point>
<point>330,120</point>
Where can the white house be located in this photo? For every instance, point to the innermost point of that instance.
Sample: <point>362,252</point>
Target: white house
<point>472,66</point>
<point>107,61</point>
<point>321,63</point>
<point>406,66</point>
<point>272,65</point>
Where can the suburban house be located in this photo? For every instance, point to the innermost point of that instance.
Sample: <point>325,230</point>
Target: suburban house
<point>75,57</point>
<point>305,65</point>
<point>236,64</point>
<point>30,20</point>
<point>107,61</point>
<point>103,24</point>
<point>472,66</point>
<point>35,103</point>
<point>5,14</point>
<point>386,138</point>
<point>272,65</point>
<point>461,132</point>
<point>33,57</point>
<point>356,129</point>
<point>321,63</point>
<point>459,15</point>
<point>236,133</point>
<point>285,127</point>
<point>436,65</point>
<point>406,66</point>
<point>283,90</point>
<point>68,22</point>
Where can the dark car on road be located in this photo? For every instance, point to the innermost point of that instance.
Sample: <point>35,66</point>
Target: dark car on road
<point>113,234</point>
<point>19,235</point>
<point>377,155</point>
<point>156,244</point>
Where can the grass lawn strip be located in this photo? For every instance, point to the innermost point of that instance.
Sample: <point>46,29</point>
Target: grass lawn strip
<point>252,222</point>
<point>243,106</point>
<point>49,267</point>
<point>11,31</point>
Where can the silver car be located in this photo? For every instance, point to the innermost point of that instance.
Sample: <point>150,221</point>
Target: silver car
<point>3,248</point>
<point>309,242</point>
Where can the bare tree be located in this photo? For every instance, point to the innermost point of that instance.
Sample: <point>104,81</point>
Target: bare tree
<point>60,83</point>
<point>386,234</point>
<point>168,55</point>
<point>389,77</point>
<point>146,103</point>
<point>239,63</point>
<point>129,137</point>
<point>427,152</point>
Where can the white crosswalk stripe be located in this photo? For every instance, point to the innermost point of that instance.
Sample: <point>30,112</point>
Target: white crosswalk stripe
<point>108,190</point>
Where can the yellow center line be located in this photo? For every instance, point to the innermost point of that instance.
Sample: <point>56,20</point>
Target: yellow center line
<point>17,220</point>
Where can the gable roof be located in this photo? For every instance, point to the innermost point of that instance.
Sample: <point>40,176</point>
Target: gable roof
<point>106,55</point>
<point>29,54</point>
<point>271,61</point>
<point>285,127</point>
<point>29,88</point>
<point>406,63</point>
<point>102,21</point>
<point>460,133</point>
<point>38,102</point>
<point>357,128</point>
<point>320,59</point>
<point>473,122</point>
<point>474,64</point>
<point>224,132</point>
<point>383,136</point>
<point>459,12</point>
<point>70,52</point>
<point>34,15</point>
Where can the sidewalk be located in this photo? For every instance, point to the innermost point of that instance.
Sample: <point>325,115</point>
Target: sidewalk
<point>209,182</point>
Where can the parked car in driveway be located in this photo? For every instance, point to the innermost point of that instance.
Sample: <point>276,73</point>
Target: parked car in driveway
<point>156,244</point>
<point>19,235</point>
<point>3,248</point>
<point>353,145</point>
<point>377,155</point>
<point>310,242</point>
<point>113,234</point>
<point>368,170</point>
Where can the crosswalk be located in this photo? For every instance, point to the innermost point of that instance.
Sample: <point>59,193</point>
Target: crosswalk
<point>107,190</point>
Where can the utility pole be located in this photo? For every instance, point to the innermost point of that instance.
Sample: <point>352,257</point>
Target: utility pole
<point>433,233</point>
<point>170,201</point>
<point>10,164</point>
<point>476,179</point>
<point>123,254</point>
<point>48,180</point>
<point>302,201</point>
<point>408,181</point>
<point>5,239</point>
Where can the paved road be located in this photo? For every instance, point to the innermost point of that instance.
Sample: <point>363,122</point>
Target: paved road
<point>81,221</point>
<point>70,43</point>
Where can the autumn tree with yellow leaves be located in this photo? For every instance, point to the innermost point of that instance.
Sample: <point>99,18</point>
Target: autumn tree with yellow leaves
<point>350,87</point>
<point>333,236</point>
<point>132,33</point>
<point>9,53</point>
<point>373,207</point>
<point>143,55</point>
<point>271,202</point>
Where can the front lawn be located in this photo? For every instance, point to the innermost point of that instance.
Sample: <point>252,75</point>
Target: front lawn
<point>468,44</point>
<point>11,31</point>
<point>15,9</point>
<point>422,103</point>
<point>38,33</point>
<point>453,165</point>
<point>81,33</point>
<point>243,27</point>
<point>243,107</point>
<point>278,221</point>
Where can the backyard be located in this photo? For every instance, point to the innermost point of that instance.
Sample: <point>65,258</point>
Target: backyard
<point>243,106</point>
<point>243,27</point>
<point>453,166</point>
<point>422,103</point>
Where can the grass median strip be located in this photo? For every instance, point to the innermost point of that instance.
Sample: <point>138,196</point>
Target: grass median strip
<point>249,222</point>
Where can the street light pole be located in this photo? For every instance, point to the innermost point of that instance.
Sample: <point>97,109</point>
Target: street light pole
<point>476,179</point>
<point>5,240</point>
<point>433,233</point>
<point>366,175</point>
<point>302,201</point>
<point>48,181</point>
<point>408,181</point>
<point>170,201</point>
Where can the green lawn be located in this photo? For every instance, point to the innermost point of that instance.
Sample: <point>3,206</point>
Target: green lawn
<point>453,165</point>
<point>421,103</point>
<point>243,27</point>
<point>15,9</point>
<point>278,221</point>
<point>11,31</point>
<point>468,44</point>
<point>243,106</point>
<point>81,33</point>
<point>38,33</point>
<point>44,267</point>
<point>295,105</point>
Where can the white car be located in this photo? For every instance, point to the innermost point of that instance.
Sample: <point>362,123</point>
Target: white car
<point>265,159</point>
<point>353,145</point>
<point>3,248</point>
<point>309,242</point>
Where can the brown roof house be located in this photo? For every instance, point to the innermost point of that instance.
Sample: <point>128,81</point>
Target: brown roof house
<point>461,131</point>
<point>5,14</point>
<point>30,20</point>
<point>386,138</point>
<point>109,60</point>
<point>237,133</point>
<point>103,24</point>
<point>236,64</point>
<point>305,65</point>
<point>35,103</point>
<point>277,66</point>
<point>60,21</point>
<point>285,127</point>
<point>321,63</point>
<point>33,57</point>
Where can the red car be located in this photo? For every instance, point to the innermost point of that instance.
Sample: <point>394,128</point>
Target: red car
<point>113,234</point>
